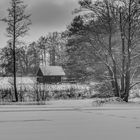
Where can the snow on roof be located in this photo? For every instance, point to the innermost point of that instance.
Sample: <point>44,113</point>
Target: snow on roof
<point>52,70</point>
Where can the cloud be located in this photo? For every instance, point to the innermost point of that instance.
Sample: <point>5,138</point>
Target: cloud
<point>50,13</point>
<point>47,16</point>
<point>58,2</point>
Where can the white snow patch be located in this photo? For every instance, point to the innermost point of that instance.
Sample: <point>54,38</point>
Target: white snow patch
<point>119,122</point>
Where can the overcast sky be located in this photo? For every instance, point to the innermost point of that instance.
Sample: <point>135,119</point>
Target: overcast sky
<point>47,16</point>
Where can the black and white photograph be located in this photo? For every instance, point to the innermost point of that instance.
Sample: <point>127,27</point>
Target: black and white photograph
<point>69,69</point>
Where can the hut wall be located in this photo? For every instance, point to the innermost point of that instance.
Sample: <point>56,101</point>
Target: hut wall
<point>49,79</point>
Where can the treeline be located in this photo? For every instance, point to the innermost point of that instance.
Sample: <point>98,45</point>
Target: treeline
<point>48,50</point>
<point>101,43</point>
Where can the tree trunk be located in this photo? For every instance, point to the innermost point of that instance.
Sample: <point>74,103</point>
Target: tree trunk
<point>15,87</point>
<point>52,56</point>
<point>127,79</point>
<point>114,74</point>
<point>14,55</point>
<point>45,61</point>
<point>114,83</point>
<point>123,55</point>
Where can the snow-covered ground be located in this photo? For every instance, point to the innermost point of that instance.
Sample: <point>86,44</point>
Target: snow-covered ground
<point>70,120</point>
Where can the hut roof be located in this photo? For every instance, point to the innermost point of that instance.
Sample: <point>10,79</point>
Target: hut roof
<point>52,70</point>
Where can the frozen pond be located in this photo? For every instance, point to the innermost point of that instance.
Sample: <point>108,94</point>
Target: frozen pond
<point>73,122</point>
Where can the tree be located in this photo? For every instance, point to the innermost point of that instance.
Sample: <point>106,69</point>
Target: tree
<point>57,43</point>
<point>129,29</point>
<point>79,53</point>
<point>6,57</point>
<point>33,55</point>
<point>52,48</point>
<point>111,30</point>
<point>6,60</point>
<point>18,24</point>
<point>43,49</point>
<point>53,41</point>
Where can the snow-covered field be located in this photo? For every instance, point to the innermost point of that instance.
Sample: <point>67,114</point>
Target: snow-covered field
<point>70,120</point>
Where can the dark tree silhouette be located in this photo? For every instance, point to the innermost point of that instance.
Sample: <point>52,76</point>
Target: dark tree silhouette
<point>18,24</point>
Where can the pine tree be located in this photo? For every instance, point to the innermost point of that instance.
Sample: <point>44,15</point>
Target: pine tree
<point>17,26</point>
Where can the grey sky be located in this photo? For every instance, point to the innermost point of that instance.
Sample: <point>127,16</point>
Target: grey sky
<point>47,16</point>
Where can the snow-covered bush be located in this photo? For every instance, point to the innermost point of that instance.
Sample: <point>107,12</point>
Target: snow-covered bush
<point>66,91</point>
<point>135,92</point>
<point>103,90</point>
<point>111,100</point>
<point>29,90</point>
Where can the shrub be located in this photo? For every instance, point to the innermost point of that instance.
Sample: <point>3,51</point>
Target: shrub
<point>135,92</point>
<point>45,92</point>
<point>103,90</point>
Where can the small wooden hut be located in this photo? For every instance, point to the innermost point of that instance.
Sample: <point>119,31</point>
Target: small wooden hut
<point>50,74</point>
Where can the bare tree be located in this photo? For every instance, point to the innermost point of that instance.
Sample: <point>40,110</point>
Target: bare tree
<point>52,48</point>
<point>17,22</point>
